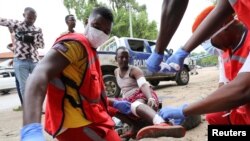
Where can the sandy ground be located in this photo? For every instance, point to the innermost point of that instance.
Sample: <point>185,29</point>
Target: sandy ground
<point>198,88</point>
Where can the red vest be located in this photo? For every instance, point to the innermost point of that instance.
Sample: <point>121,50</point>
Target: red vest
<point>233,61</point>
<point>242,9</point>
<point>91,92</point>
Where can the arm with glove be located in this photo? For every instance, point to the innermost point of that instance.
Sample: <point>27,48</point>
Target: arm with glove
<point>122,106</point>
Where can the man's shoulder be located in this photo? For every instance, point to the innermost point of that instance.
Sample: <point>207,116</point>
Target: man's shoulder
<point>36,28</point>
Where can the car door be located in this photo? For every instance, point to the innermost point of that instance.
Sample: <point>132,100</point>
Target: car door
<point>7,81</point>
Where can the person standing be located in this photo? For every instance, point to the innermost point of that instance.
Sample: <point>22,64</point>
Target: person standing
<point>29,39</point>
<point>71,23</point>
<point>11,47</point>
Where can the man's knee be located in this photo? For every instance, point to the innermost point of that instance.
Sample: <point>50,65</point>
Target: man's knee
<point>134,107</point>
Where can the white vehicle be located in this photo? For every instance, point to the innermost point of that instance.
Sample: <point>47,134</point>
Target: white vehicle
<point>7,80</point>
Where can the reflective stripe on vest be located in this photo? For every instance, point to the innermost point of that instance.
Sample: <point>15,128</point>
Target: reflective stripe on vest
<point>234,58</point>
<point>92,134</point>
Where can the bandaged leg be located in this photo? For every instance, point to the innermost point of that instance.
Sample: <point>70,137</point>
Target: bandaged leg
<point>142,110</point>
<point>134,105</point>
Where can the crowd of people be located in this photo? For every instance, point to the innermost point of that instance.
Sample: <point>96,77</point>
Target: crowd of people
<point>70,76</point>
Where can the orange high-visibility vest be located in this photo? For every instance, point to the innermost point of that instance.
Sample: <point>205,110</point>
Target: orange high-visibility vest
<point>91,92</point>
<point>242,9</point>
<point>233,61</point>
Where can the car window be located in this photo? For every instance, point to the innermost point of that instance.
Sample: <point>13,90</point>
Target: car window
<point>137,45</point>
<point>151,46</point>
<point>4,74</point>
<point>109,47</point>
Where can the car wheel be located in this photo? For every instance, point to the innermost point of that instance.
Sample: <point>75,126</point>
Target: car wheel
<point>111,87</point>
<point>182,77</point>
<point>154,82</point>
<point>191,122</point>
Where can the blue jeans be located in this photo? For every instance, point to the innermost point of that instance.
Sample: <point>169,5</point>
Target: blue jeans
<point>18,91</point>
<point>22,70</point>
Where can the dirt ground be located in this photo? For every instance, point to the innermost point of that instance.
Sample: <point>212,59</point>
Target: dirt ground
<point>198,88</point>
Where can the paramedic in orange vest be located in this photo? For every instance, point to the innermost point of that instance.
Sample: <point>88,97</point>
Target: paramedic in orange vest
<point>234,40</point>
<point>70,73</point>
<point>235,93</point>
<point>229,44</point>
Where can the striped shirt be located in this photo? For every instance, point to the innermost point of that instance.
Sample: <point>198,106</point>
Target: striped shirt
<point>25,50</point>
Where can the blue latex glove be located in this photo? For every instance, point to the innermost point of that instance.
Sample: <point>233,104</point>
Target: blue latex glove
<point>32,132</point>
<point>173,114</point>
<point>176,60</point>
<point>123,106</point>
<point>153,62</point>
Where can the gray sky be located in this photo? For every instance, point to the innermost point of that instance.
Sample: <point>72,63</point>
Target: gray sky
<point>51,13</point>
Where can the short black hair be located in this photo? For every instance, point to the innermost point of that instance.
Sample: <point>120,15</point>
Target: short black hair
<point>29,9</point>
<point>120,48</point>
<point>104,12</point>
<point>66,18</point>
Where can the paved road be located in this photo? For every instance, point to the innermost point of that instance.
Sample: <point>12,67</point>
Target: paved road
<point>9,101</point>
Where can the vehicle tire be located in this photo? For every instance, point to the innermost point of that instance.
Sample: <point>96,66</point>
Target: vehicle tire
<point>111,87</point>
<point>192,122</point>
<point>5,91</point>
<point>182,77</point>
<point>154,82</point>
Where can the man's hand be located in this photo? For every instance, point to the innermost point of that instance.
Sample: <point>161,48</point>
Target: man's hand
<point>151,103</point>
<point>173,113</point>
<point>123,106</point>
<point>153,62</point>
<point>32,132</point>
<point>177,59</point>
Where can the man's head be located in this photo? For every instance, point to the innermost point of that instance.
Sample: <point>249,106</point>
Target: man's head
<point>29,16</point>
<point>122,57</point>
<point>70,21</point>
<point>98,27</point>
<point>229,33</point>
<point>229,36</point>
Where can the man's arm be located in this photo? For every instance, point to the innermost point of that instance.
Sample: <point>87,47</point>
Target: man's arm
<point>137,74</point>
<point>8,22</point>
<point>234,94</point>
<point>39,42</point>
<point>210,24</point>
<point>49,67</point>
<point>172,13</point>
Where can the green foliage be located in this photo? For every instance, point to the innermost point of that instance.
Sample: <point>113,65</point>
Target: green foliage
<point>142,27</point>
<point>206,60</point>
<point>209,61</point>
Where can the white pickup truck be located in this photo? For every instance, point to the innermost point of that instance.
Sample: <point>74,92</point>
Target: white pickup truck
<point>139,50</point>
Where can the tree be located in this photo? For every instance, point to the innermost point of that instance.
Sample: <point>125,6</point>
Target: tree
<point>142,27</point>
<point>204,59</point>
